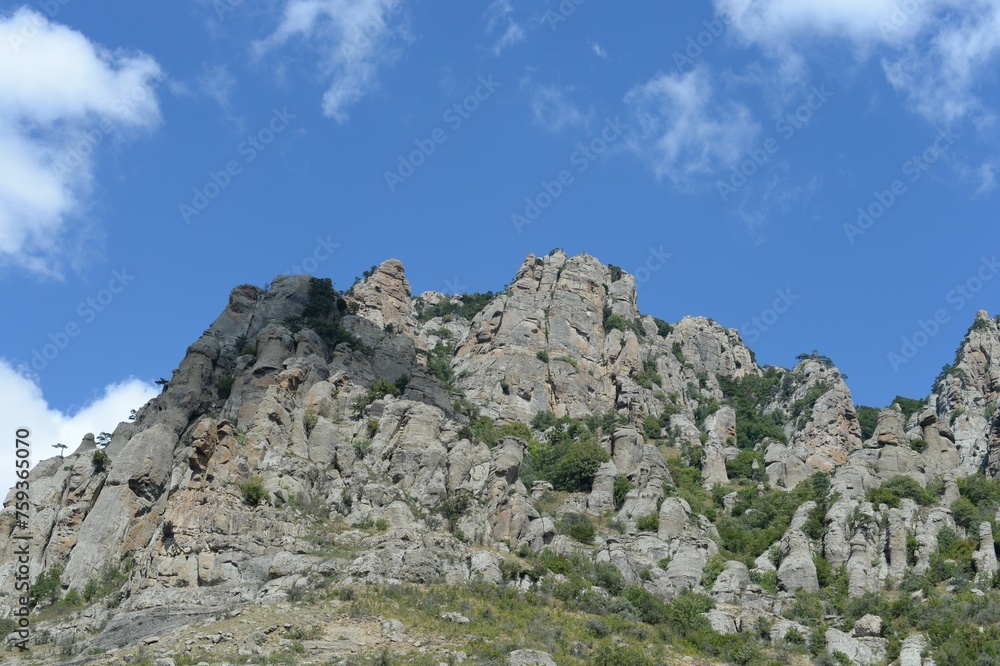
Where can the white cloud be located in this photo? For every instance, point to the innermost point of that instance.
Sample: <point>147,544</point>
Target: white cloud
<point>553,110</point>
<point>685,131</point>
<point>987,173</point>
<point>356,38</point>
<point>598,50</point>
<point>775,21</point>
<point>63,96</point>
<point>939,77</point>
<point>500,21</point>
<point>778,191</point>
<point>933,52</point>
<point>217,83</point>
<point>25,407</point>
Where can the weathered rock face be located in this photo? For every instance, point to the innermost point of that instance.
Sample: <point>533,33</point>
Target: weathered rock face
<point>543,344</point>
<point>966,397</point>
<point>384,297</point>
<point>823,437</point>
<point>985,559</point>
<point>393,481</point>
<point>797,570</point>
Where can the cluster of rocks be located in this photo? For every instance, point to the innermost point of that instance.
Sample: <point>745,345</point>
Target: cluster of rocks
<point>567,337</point>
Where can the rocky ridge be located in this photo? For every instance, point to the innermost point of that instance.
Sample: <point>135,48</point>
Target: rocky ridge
<point>360,416</point>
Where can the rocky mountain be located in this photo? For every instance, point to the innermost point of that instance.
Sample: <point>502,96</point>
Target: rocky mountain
<point>651,487</point>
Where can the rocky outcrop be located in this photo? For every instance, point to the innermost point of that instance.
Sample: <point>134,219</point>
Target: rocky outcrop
<point>307,437</point>
<point>543,344</point>
<point>729,586</point>
<point>384,298</point>
<point>863,651</point>
<point>824,429</point>
<point>797,570</point>
<point>985,559</point>
<point>966,396</point>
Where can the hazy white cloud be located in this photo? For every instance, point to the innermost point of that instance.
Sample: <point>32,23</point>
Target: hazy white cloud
<point>355,37</point>
<point>598,50</point>
<point>501,25</point>
<point>933,52</point>
<point>939,76</point>
<point>217,83</point>
<point>553,109</point>
<point>771,22</point>
<point>987,177</point>
<point>778,191</point>
<point>63,98</point>
<point>685,131</point>
<point>26,407</point>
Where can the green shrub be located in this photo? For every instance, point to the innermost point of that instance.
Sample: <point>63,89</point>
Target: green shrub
<point>918,445</point>
<point>807,608</point>
<point>966,514</point>
<point>684,614</point>
<point>542,356</point>
<point>322,315</point>
<point>741,467</point>
<point>309,420</point>
<point>651,427</point>
<point>909,406</point>
<point>225,387</point>
<point>619,655</point>
<point>804,405</point>
<point>100,461</point>
<point>454,507</point>
<point>615,322</point>
<point>608,576</point>
<point>648,376</point>
<point>748,396</point>
<point>895,489</point>
<point>867,419</point>
<point>622,488</point>
<point>981,491</point>
<point>253,490</point>
<point>650,523</point>
<point>376,391</point>
<point>715,566</point>
<point>663,329</point>
<point>464,305</point>
<point>48,585</point>
<point>577,526</point>
<point>678,351</point>
<point>575,470</point>
<point>362,448</point>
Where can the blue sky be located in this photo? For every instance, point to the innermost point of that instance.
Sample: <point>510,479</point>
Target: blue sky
<point>820,175</point>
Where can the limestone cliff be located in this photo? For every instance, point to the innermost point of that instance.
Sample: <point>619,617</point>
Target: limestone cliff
<point>376,436</point>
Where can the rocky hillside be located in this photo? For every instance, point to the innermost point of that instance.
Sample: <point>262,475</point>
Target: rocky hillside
<point>598,484</point>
